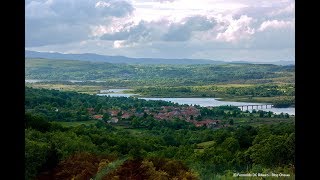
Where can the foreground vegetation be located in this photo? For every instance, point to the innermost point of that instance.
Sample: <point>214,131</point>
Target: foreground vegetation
<point>70,134</point>
<point>142,147</point>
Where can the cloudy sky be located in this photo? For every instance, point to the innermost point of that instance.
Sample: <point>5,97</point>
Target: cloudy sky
<point>251,30</point>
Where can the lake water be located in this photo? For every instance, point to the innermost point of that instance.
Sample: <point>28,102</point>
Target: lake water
<point>205,102</point>
<point>114,91</point>
<point>33,80</point>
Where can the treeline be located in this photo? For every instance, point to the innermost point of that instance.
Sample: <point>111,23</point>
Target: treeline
<point>72,106</point>
<point>168,75</point>
<point>102,150</point>
<point>261,90</point>
<point>284,102</point>
<point>218,91</point>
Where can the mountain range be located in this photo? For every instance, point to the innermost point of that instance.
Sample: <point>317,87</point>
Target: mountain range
<point>127,60</point>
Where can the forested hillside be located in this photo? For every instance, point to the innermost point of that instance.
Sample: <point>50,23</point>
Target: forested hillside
<point>169,75</point>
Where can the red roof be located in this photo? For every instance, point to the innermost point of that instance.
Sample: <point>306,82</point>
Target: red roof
<point>114,112</point>
<point>97,116</point>
<point>126,115</point>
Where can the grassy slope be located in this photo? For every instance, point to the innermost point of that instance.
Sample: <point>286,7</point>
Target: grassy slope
<point>88,89</point>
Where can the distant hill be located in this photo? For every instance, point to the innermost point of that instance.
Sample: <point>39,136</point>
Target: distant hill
<point>279,63</point>
<point>116,59</point>
<point>131,75</point>
<point>122,59</point>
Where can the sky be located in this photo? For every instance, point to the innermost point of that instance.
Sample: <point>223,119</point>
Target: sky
<point>228,30</point>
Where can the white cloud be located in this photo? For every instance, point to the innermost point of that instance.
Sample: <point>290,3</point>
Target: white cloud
<point>102,4</point>
<point>237,29</point>
<point>289,9</point>
<point>184,30</point>
<point>118,44</point>
<point>164,1</point>
<point>39,10</point>
<point>275,24</point>
<point>212,29</point>
<point>150,10</point>
<point>113,25</point>
<point>161,30</point>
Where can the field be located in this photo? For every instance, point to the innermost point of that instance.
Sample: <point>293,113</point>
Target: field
<point>203,145</point>
<point>87,89</point>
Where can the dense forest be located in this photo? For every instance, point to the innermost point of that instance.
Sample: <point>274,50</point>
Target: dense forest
<point>279,95</point>
<point>142,147</point>
<point>124,75</point>
<point>214,90</point>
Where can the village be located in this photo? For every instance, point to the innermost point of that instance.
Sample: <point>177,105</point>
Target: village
<point>188,113</point>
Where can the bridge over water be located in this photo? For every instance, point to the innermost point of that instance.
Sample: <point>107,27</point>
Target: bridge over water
<point>262,106</point>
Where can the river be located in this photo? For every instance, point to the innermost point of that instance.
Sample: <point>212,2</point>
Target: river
<point>205,102</point>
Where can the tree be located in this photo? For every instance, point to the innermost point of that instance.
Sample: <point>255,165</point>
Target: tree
<point>136,122</point>
<point>199,118</point>
<point>119,114</point>
<point>106,117</point>
<point>145,115</point>
<point>231,144</point>
<point>245,135</point>
<point>37,122</point>
<point>276,150</point>
<point>97,107</point>
<point>261,114</point>
<point>35,156</point>
<point>78,166</point>
<point>286,115</point>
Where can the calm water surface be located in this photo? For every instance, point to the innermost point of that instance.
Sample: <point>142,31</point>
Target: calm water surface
<point>205,102</point>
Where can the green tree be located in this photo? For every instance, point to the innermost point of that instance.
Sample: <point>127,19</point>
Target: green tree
<point>37,122</point>
<point>273,151</point>
<point>231,144</point>
<point>35,157</point>
<point>106,117</point>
